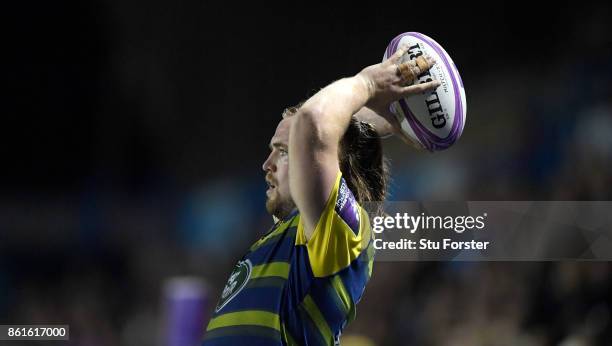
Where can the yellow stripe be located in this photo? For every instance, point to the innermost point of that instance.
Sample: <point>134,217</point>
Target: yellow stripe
<point>271,269</point>
<point>295,221</point>
<point>317,317</point>
<point>251,317</point>
<point>342,293</point>
<point>365,230</point>
<point>371,250</point>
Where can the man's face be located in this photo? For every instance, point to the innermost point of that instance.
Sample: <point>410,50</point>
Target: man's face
<point>276,166</point>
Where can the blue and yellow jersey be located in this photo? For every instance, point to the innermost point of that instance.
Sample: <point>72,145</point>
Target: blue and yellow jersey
<point>290,291</point>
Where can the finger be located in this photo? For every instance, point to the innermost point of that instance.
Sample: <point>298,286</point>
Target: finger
<point>421,64</point>
<point>397,56</point>
<point>407,71</point>
<point>424,63</point>
<point>420,88</point>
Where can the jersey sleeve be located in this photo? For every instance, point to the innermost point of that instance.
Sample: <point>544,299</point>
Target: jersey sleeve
<point>342,232</point>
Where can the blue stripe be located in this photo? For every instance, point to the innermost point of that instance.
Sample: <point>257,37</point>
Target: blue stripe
<point>310,331</point>
<point>302,282</point>
<point>242,340</point>
<point>255,298</point>
<point>243,330</point>
<point>302,328</point>
<point>272,281</point>
<point>280,249</point>
<point>298,284</point>
<point>300,277</point>
<point>325,297</point>
<point>355,277</point>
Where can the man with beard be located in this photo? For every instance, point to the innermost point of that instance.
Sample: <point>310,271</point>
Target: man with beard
<point>299,284</point>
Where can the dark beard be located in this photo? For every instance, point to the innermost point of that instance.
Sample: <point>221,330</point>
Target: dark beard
<point>280,209</point>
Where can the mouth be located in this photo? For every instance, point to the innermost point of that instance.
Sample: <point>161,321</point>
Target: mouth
<point>271,186</point>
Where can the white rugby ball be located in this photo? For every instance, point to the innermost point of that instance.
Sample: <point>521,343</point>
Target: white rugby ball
<point>433,120</point>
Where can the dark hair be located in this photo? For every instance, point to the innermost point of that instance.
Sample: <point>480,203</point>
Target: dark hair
<point>362,163</point>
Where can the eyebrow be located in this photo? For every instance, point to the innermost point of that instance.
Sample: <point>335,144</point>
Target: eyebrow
<point>277,145</point>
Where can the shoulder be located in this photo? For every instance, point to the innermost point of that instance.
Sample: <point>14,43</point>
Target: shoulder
<point>340,235</point>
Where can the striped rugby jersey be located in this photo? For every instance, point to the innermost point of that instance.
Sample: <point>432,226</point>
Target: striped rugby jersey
<point>289,291</point>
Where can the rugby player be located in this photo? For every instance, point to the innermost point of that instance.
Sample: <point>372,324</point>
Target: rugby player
<point>300,282</point>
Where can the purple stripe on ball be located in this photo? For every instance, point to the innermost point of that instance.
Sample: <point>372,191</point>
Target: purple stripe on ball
<point>392,47</point>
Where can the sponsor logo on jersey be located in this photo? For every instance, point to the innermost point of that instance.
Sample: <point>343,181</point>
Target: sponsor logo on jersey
<point>236,282</point>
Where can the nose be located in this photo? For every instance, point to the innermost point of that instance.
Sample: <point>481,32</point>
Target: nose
<point>269,164</point>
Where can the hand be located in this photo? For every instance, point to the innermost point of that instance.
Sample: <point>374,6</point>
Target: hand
<point>392,80</point>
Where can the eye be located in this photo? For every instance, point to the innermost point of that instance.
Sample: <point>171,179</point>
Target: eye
<point>283,151</point>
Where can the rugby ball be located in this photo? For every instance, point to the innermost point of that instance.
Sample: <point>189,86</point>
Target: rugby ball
<point>433,120</point>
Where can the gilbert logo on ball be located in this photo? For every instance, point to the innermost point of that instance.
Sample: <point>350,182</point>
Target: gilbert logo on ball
<point>433,120</point>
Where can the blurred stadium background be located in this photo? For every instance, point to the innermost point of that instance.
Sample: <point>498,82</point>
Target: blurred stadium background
<point>134,133</point>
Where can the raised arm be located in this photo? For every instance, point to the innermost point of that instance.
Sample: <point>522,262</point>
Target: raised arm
<point>320,123</point>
